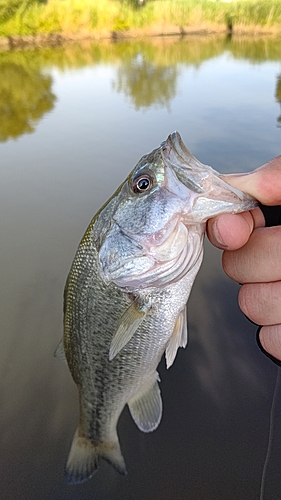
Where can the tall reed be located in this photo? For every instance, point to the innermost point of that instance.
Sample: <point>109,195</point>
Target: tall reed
<point>100,17</point>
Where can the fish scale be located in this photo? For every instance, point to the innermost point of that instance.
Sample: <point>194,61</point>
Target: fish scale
<point>126,294</point>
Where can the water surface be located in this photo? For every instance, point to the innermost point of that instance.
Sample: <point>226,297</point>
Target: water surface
<point>73,122</point>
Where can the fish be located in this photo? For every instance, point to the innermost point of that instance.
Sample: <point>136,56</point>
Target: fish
<point>126,294</point>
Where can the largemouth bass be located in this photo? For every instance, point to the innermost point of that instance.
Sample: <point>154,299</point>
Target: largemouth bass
<point>126,294</point>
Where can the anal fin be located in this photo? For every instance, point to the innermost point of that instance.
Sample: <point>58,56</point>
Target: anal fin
<point>146,406</point>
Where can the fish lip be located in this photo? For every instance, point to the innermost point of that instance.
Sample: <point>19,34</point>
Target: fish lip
<point>205,182</point>
<point>176,155</point>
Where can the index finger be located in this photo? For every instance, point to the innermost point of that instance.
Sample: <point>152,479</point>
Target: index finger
<point>264,183</point>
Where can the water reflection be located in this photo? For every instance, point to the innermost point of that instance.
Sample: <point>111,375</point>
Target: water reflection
<point>224,356</point>
<point>278,97</point>
<point>255,51</point>
<point>212,441</point>
<point>149,76</point>
<point>25,96</point>
<point>146,72</point>
<point>145,83</point>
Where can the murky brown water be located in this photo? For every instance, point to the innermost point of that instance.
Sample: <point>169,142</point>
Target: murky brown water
<point>73,122</point>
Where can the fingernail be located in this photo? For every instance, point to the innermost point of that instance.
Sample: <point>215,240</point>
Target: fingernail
<point>218,236</point>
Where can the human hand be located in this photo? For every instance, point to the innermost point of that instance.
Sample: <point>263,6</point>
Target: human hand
<point>252,252</point>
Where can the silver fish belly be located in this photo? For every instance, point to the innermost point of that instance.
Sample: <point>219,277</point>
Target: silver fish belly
<point>126,294</point>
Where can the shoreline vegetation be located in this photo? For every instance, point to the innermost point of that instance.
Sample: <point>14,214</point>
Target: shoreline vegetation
<point>51,22</point>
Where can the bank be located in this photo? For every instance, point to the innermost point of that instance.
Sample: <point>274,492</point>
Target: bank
<point>33,22</point>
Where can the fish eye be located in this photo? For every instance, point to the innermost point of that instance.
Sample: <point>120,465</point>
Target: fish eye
<point>142,183</point>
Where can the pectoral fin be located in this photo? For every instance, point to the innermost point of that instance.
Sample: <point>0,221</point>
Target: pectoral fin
<point>128,325</point>
<point>146,407</point>
<point>178,338</point>
<point>59,352</point>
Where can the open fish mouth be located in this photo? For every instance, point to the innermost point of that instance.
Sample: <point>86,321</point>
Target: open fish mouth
<point>212,194</point>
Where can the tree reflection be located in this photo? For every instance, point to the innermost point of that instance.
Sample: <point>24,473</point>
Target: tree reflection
<point>278,97</point>
<point>257,50</point>
<point>146,83</point>
<point>25,96</point>
<point>146,72</point>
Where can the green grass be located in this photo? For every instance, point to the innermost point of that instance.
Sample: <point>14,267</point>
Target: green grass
<point>101,17</point>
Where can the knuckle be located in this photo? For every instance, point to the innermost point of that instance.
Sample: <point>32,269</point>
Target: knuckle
<point>248,302</point>
<point>260,302</point>
<point>230,267</point>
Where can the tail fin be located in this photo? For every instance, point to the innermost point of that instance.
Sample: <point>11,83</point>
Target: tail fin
<point>84,457</point>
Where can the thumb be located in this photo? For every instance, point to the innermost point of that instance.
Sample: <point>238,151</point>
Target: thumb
<point>264,183</point>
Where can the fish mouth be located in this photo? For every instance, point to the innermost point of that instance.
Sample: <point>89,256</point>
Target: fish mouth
<point>212,195</point>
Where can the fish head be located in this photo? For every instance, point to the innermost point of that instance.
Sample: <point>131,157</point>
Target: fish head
<point>150,233</point>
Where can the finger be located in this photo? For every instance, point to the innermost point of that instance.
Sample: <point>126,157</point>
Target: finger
<point>259,260</point>
<point>270,339</point>
<point>261,302</point>
<point>264,183</point>
<point>230,231</point>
